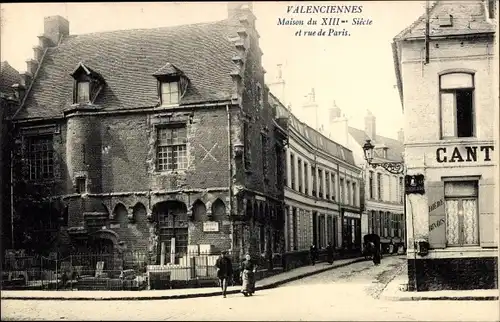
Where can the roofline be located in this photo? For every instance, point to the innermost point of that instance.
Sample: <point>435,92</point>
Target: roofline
<point>397,70</point>
<point>133,110</point>
<point>28,90</point>
<point>401,35</point>
<point>458,35</point>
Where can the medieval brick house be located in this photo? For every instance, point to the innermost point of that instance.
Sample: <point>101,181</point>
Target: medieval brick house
<point>154,140</point>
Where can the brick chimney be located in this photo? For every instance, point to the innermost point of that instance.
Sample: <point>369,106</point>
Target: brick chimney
<point>277,86</point>
<point>338,126</point>
<point>335,112</point>
<point>401,136</point>
<point>239,9</point>
<point>54,28</point>
<point>370,126</point>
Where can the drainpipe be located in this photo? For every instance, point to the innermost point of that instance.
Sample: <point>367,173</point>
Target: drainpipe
<point>230,168</point>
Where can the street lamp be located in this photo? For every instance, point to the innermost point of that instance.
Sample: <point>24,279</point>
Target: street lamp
<point>392,167</point>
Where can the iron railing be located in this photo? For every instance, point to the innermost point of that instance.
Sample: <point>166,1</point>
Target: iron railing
<point>129,270</point>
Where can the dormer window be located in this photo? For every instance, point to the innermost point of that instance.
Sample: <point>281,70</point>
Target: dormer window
<point>88,84</point>
<point>83,92</point>
<point>172,84</point>
<point>169,93</point>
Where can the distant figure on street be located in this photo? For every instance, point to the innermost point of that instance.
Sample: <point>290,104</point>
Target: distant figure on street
<point>329,253</point>
<point>313,253</point>
<point>224,271</point>
<point>376,253</point>
<point>247,273</point>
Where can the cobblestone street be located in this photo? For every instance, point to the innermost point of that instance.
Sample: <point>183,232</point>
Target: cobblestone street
<point>346,293</point>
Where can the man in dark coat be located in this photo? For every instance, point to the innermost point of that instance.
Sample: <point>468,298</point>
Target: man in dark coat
<point>224,271</point>
<point>329,253</point>
<point>313,253</point>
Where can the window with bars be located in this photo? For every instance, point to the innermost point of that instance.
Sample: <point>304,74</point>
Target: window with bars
<point>461,208</point>
<point>169,93</point>
<point>172,148</point>
<point>40,157</point>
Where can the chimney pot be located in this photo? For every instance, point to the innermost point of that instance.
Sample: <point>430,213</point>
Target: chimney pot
<point>370,126</point>
<point>32,66</point>
<point>25,79</point>
<point>401,136</point>
<point>43,41</point>
<point>54,28</point>
<point>38,53</point>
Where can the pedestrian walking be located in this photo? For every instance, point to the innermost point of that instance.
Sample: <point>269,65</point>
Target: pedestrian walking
<point>376,253</point>
<point>224,271</point>
<point>329,253</point>
<point>247,273</point>
<point>313,253</point>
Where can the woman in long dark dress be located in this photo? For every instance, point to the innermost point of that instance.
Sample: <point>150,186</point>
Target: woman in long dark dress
<point>247,270</point>
<point>376,253</point>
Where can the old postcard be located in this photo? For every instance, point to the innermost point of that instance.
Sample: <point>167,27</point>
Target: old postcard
<point>333,160</point>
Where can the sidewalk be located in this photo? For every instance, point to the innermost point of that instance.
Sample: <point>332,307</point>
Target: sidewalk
<point>395,291</point>
<point>266,283</point>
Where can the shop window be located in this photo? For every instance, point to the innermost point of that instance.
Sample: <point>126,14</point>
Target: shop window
<point>461,210</point>
<point>457,105</point>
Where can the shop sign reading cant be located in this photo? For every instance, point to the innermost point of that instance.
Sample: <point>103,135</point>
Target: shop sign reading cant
<point>464,154</point>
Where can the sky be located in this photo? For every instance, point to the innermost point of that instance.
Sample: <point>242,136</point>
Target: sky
<point>355,72</point>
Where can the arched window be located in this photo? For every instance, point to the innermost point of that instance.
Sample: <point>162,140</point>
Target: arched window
<point>218,209</point>
<point>457,104</point>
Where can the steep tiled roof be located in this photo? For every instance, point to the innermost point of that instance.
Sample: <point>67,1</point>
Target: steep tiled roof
<point>8,77</point>
<point>395,148</point>
<point>317,139</point>
<point>469,17</point>
<point>128,59</point>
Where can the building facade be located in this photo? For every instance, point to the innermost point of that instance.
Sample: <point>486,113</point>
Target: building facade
<point>383,190</point>
<point>322,193</point>
<point>10,89</point>
<point>132,145</point>
<point>446,81</point>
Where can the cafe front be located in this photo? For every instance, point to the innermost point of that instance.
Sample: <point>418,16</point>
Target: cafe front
<point>451,217</point>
